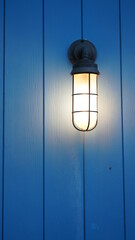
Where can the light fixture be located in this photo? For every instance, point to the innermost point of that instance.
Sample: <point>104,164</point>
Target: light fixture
<point>82,55</point>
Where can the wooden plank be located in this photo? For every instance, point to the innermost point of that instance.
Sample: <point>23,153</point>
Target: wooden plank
<point>63,144</point>
<point>23,121</point>
<point>104,180</point>
<point>128,62</point>
<point>1,112</point>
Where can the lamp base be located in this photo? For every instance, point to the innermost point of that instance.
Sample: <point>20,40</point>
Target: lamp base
<point>82,54</point>
<point>81,49</point>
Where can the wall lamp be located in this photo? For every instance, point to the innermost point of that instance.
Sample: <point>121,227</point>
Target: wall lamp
<point>82,54</point>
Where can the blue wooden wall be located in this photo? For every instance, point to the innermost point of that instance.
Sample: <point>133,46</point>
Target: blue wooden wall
<point>41,154</point>
<point>1,116</point>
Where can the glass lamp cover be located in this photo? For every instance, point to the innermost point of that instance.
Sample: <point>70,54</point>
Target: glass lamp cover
<point>85,101</point>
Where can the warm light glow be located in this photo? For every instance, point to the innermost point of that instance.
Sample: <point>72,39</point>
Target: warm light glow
<point>85,101</point>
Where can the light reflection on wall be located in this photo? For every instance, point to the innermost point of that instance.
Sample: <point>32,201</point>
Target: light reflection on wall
<point>59,109</point>
<point>58,105</point>
<point>109,109</point>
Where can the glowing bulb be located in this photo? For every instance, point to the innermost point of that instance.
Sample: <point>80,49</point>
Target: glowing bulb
<point>85,101</point>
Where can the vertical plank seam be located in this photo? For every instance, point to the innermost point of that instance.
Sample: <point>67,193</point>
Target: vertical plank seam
<point>84,211</point>
<point>82,19</point>
<point>3,123</point>
<point>43,131</point>
<point>122,122</point>
<point>84,223</point>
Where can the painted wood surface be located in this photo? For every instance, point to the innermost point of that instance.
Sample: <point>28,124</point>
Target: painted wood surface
<point>63,147</point>
<point>63,144</point>
<point>104,180</point>
<point>1,112</point>
<point>128,63</point>
<point>23,215</point>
